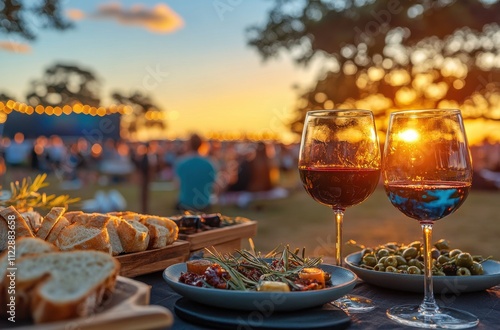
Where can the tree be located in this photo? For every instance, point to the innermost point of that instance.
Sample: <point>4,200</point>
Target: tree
<point>145,114</point>
<point>4,97</point>
<point>385,55</point>
<point>65,85</point>
<point>24,18</point>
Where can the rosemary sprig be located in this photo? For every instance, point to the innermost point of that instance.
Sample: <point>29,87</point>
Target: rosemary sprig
<point>290,265</point>
<point>26,195</point>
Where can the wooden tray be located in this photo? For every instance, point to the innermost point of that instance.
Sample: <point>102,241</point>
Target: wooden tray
<point>128,309</point>
<point>149,261</point>
<point>224,240</point>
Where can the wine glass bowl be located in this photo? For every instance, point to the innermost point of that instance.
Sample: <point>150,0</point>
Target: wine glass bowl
<point>427,174</point>
<point>339,165</point>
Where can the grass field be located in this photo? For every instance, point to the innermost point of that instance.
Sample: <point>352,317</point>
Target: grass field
<point>300,222</point>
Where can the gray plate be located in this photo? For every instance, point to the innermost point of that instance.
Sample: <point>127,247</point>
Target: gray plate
<point>343,281</point>
<point>415,283</point>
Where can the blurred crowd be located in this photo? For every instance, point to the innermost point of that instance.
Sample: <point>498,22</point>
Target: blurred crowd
<point>242,166</point>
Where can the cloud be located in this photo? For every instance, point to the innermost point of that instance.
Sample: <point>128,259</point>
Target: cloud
<point>15,47</point>
<point>75,14</point>
<point>160,18</point>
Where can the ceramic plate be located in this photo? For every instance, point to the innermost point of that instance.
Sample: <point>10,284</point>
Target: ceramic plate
<point>343,281</point>
<point>415,283</point>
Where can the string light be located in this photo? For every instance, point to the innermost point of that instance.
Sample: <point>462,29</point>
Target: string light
<point>78,108</point>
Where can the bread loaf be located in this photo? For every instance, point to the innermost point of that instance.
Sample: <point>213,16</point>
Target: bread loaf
<point>33,219</point>
<point>54,286</point>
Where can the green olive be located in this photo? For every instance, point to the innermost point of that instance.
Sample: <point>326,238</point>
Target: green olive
<point>413,270</point>
<point>382,253</point>
<point>443,259</point>
<point>439,273</point>
<point>464,259</point>
<point>476,268</point>
<point>391,261</point>
<point>435,253</point>
<point>391,269</point>
<point>413,262</point>
<point>403,267</point>
<point>379,267</point>
<point>392,245</point>
<point>410,253</point>
<point>477,258</point>
<point>454,253</point>
<point>442,244</point>
<point>462,271</point>
<point>401,260</point>
<point>366,251</point>
<point>382,260</point>
<point>369,260</point>
<point>416,244</point>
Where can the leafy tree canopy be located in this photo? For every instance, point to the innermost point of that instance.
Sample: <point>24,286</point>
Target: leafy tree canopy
<point>25,18</point>
<point>385,55</point>
<point>64,84</point>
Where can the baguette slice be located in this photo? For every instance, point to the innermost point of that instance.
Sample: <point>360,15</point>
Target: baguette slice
<point>56,230</point>
<point>33,219</point>
<point>162,231</point>
<point>81,237</point>
<point>68,284</point>
<point>25,246</point>
<point>49,221</point>
<point>21,227</point>
<point>134,236</point>
<point>114,238</point>
<point>70,216</point>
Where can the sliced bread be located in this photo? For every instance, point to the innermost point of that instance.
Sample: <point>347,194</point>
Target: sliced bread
<point>71,215</point>
<point>134,236</point>
<point>56,230</point>
<point>25,246</point>
<point>21,227</point>
<point>114,238</point>
<point>49,221</point>
<point>162,231</point>
<point>33,219</point>
<point>80,237</point>
<point>65,285</point>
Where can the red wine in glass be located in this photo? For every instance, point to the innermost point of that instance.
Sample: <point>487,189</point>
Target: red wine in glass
<point>339,187</point>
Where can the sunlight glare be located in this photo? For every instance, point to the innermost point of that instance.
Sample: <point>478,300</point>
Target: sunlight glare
<point>409,135</point>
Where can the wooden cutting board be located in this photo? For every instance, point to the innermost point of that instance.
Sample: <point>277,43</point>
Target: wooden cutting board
<point>149,261</point>
<point>127,309</point>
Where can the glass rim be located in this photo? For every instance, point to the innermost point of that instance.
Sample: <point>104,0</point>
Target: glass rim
<point>409,112</point>
<point>338,112</point>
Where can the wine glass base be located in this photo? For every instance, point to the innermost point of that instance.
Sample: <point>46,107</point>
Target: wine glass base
<point>352,304</point>
<point>445,318</point>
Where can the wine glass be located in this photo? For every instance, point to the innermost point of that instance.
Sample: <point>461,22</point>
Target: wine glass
<point>339,165</point>
<point>427,175</point>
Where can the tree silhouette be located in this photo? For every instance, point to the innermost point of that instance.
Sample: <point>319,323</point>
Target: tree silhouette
<point>24,18</point>
<point>65,85</point>
<point>142,110</point>
<point>4,97</point>
<point>385,55</point>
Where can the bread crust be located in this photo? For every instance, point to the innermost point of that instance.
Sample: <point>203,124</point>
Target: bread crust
<point>134,236</point>
<point>49,221</point>
<point>56,230</point>
<point>22,228</point>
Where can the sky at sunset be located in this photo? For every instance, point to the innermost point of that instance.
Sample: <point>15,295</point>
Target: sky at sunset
<point>192,59</point>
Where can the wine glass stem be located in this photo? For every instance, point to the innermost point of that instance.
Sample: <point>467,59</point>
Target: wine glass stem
<point>429,304</point>
<point>339,218</point>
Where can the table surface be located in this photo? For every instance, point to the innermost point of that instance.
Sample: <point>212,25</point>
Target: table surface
<point>485,304</point>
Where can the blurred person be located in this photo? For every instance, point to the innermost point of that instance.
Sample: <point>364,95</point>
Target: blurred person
<point>17,153</point>
<point>56,151</point>
<point>264,174</point>
<point>196,176</point>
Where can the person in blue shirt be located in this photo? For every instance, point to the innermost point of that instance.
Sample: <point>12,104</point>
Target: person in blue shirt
<point>196,176</point>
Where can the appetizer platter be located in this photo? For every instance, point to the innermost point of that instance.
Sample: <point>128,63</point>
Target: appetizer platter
<point>400,267</point>
<point>221,232</point>
<point>287,280</point>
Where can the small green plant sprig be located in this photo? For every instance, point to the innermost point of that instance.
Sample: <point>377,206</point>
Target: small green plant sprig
<point>291,265</point>
<point>26,195</point>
